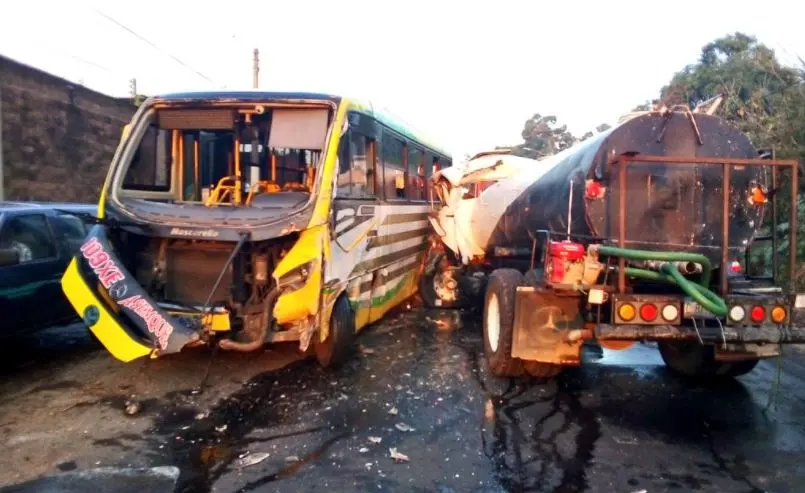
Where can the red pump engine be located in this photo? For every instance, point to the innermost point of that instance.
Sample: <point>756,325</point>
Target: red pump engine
<point>568,263</point>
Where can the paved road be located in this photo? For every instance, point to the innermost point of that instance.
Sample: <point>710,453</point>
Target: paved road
<point>417,384</point>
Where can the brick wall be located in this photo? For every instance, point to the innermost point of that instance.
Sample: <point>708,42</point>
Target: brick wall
<point>57,136</point>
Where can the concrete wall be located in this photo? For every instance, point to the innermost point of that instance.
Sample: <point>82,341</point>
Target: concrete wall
<point>57,136</point>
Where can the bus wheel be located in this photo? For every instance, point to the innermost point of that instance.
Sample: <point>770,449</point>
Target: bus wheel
<point>692,359</point>
<point>334,350</point>
<point>499,323</point>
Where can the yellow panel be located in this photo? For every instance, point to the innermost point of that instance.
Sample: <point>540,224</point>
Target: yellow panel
<point>107,330</point>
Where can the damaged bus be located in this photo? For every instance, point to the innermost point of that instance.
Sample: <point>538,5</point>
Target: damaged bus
<point>240,219</point>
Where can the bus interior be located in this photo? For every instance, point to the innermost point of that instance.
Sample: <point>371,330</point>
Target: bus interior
<point>258,156</point>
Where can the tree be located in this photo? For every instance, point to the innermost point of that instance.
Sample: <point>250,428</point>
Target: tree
<point>762,97</point>
<point>543,137</point>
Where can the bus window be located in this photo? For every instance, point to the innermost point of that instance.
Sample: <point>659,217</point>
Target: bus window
<point>416,173</point>
<point>356,177</point>
<point>393,168</point>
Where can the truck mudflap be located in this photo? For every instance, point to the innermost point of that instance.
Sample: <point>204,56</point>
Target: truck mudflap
<point>116,308</point>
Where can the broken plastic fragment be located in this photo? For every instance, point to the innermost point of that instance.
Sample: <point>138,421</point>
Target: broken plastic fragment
<point>252,459</point>
<point>398,457</point>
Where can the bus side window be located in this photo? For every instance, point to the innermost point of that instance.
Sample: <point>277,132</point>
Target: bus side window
<point>356,177</point>
<point>393,168</point>
<point>416,173</point>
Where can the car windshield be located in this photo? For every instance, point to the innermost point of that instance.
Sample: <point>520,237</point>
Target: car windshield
<point>185,152</point>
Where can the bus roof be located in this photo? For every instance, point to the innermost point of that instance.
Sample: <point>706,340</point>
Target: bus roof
<point>366,107</point>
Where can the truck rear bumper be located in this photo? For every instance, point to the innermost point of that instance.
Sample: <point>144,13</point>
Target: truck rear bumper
<point>709,333</point>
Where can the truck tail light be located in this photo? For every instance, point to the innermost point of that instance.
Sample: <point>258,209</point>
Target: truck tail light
<point>757,314</point>
<point>626,312</point>
<point>648,312</point>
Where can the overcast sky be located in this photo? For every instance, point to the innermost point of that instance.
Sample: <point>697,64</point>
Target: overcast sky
<point>466,73</point>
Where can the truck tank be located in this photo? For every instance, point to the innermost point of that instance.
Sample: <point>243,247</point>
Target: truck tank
<point>669,207</point>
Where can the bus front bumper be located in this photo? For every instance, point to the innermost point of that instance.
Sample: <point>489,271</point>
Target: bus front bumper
<point>118,311</point>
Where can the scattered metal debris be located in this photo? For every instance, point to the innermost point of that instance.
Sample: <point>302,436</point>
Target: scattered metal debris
<point>133,407</point>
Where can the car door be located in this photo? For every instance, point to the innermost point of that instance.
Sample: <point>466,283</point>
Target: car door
<point>28,287</point>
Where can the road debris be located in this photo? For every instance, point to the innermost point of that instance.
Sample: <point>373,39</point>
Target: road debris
<point>252,459</point>
<point>292,458</point>
<point>404,427</point>
<point>363,450</point>
<point>393,411</point>
<point>133,407</point>
<point>375,439</point>
<point>398,457</point>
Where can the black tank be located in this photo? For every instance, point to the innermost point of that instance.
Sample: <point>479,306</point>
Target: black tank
<point>669,207</point>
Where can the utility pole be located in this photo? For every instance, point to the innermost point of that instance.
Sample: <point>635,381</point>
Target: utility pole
<point>133,88</point>
<point>256,69</point>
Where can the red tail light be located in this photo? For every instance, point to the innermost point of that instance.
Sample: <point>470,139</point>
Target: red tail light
<point>648,312</point>
<point>758,314</point>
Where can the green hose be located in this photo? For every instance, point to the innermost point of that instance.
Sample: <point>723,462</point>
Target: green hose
<point>698,291</point>
<point>708,299</point>
<point>631,254</point>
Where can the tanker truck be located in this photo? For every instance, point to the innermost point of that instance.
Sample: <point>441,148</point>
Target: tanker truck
<point>639,233</point>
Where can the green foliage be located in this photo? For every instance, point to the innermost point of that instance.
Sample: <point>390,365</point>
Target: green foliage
<point>543,137</point>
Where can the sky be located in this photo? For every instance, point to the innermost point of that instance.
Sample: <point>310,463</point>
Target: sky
<point>467,74</point>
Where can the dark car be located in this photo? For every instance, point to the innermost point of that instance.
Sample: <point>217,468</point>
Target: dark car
<point>37,241</point>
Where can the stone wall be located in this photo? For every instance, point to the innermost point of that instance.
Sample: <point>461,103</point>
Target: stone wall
<point>57,136</point>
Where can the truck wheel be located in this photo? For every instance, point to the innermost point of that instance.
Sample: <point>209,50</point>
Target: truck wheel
<point>435,294</point>
<point>336,348</point>
<point>692,359</point>
<point>499,323</point>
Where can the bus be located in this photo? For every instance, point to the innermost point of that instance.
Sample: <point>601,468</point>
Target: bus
<point>239,219</point>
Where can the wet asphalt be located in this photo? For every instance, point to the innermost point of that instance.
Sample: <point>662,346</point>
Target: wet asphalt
<point>417,384</point>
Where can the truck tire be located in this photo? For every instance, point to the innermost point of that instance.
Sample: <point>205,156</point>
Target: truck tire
<point>499,323</point>
<point>431,299</point>
<point>337,347</point>
<point>694,360</point>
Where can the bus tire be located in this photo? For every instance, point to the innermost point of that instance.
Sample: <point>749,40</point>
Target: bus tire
<point>335,350</point>
<point>693,360</point>
<point>499,323</point>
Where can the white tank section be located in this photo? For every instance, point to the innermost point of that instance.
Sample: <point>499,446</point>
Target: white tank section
<point>477,192</point>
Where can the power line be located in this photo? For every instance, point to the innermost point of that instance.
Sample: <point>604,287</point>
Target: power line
<point>122,26</point>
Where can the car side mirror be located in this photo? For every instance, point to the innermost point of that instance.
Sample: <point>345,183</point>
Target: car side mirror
<point>8,257</point>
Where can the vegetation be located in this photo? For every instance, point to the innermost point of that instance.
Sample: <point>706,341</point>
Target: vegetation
<point>761,96</point>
